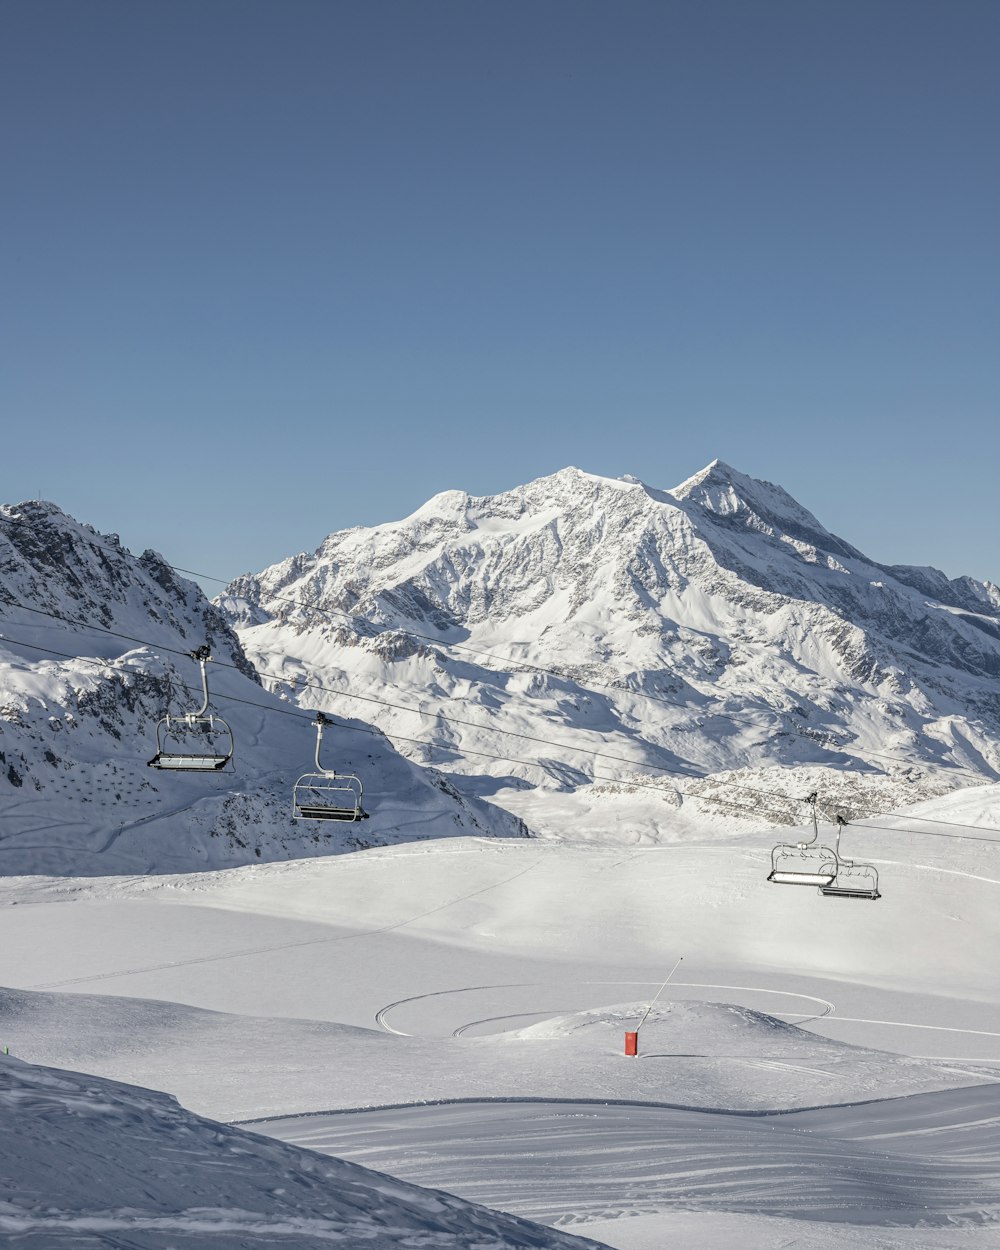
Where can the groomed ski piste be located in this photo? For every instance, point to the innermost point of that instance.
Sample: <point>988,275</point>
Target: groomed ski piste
<point>816,1073</point>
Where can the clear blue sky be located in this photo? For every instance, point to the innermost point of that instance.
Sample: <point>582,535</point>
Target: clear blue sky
<point>274,269</point>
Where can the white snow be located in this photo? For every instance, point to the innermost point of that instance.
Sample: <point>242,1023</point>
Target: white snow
<point>90,1162</point>
<point>424,993</point>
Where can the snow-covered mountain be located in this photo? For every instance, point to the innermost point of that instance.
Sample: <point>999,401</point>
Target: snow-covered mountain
<point>92,1162</point>
<point>94,647</point>
<point>717,628</point>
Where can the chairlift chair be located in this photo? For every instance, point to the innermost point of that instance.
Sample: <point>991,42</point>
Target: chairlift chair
<point>194,742</point>
<point>852,880</point>
<point>806,862</point>
<point>325,794</point>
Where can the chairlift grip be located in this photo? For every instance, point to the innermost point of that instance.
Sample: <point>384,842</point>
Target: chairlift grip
<point>320,723</point>
<point>841,826</point>
<point>811,799</point>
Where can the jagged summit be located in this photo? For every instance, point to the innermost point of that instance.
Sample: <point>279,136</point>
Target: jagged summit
<point>739,498</point>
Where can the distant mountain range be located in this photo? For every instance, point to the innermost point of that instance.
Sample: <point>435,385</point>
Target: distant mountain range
<point>717,628</point>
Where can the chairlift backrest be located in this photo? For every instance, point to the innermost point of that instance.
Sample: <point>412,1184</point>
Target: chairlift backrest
<point>805,862</point>
<point>326,794</point>
<point>853,880</point>
<point>181,740</point>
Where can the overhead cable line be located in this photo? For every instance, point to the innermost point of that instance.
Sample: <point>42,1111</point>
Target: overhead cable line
<point>734,719</point>
<point>927,833</point>
<point>508,662</point>
<point>450,720</point>
<point>440,716</point>
<point>305,716</point>
<point>460,751</point>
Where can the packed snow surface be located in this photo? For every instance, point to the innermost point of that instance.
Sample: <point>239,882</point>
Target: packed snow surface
<point>89,1162</point>
<point>815,1071</point>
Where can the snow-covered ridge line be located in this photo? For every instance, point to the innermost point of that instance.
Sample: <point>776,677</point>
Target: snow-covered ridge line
<point>718,627</point>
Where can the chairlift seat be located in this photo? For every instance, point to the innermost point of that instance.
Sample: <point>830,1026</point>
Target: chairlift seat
<point>192,744</point>
<point>802,865</point>
<point>313,811</point>
<point>853,881</point>
<point>328,796</point>
<point>189,763</point>
<point>786,877</point>
<point>833,890</point>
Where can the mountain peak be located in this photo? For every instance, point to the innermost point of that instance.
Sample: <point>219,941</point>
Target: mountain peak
<point>728,493</point>
<point>720,474</point>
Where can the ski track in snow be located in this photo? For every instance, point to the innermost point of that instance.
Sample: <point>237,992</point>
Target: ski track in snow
<point>928,1160</point>
<point>280,946</point>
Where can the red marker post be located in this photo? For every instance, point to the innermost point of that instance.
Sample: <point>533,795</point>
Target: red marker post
<point>632,1038</point>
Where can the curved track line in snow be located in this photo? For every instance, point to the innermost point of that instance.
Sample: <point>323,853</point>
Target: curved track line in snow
<point>902,1024</point>
<point>951,872</point>
<point>380,1015</point>
<point>278,946</point>
<point>466,989</point>
<point>828,1007</point>
<point>517,1015</point>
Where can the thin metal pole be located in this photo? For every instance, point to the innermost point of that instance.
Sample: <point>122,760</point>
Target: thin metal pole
<point>658,993</point>
<point>204,687</point>
<point>811,800</point>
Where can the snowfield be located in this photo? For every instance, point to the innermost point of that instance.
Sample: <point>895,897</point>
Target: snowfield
<point>454,1013</point>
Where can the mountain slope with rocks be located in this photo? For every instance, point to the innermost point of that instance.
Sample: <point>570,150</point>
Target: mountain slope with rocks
<point>643,638</point>
<point>94,650</point>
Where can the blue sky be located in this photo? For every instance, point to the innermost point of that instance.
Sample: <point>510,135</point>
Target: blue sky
<point>273,269</point>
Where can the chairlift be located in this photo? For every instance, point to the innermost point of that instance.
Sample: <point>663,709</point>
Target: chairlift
<point>325,794</point>
<point>852,880</point>
<point>806,862</point>
<point>194,742</point>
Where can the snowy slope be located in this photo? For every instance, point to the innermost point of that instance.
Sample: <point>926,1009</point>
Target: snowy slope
<point>716,628</point>
<point>88,1162</point>
<point>94,649</point>
<point>411,973</point>
<point>927,1159</point>
<point>386,984</point>
<point>713,1055</point>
